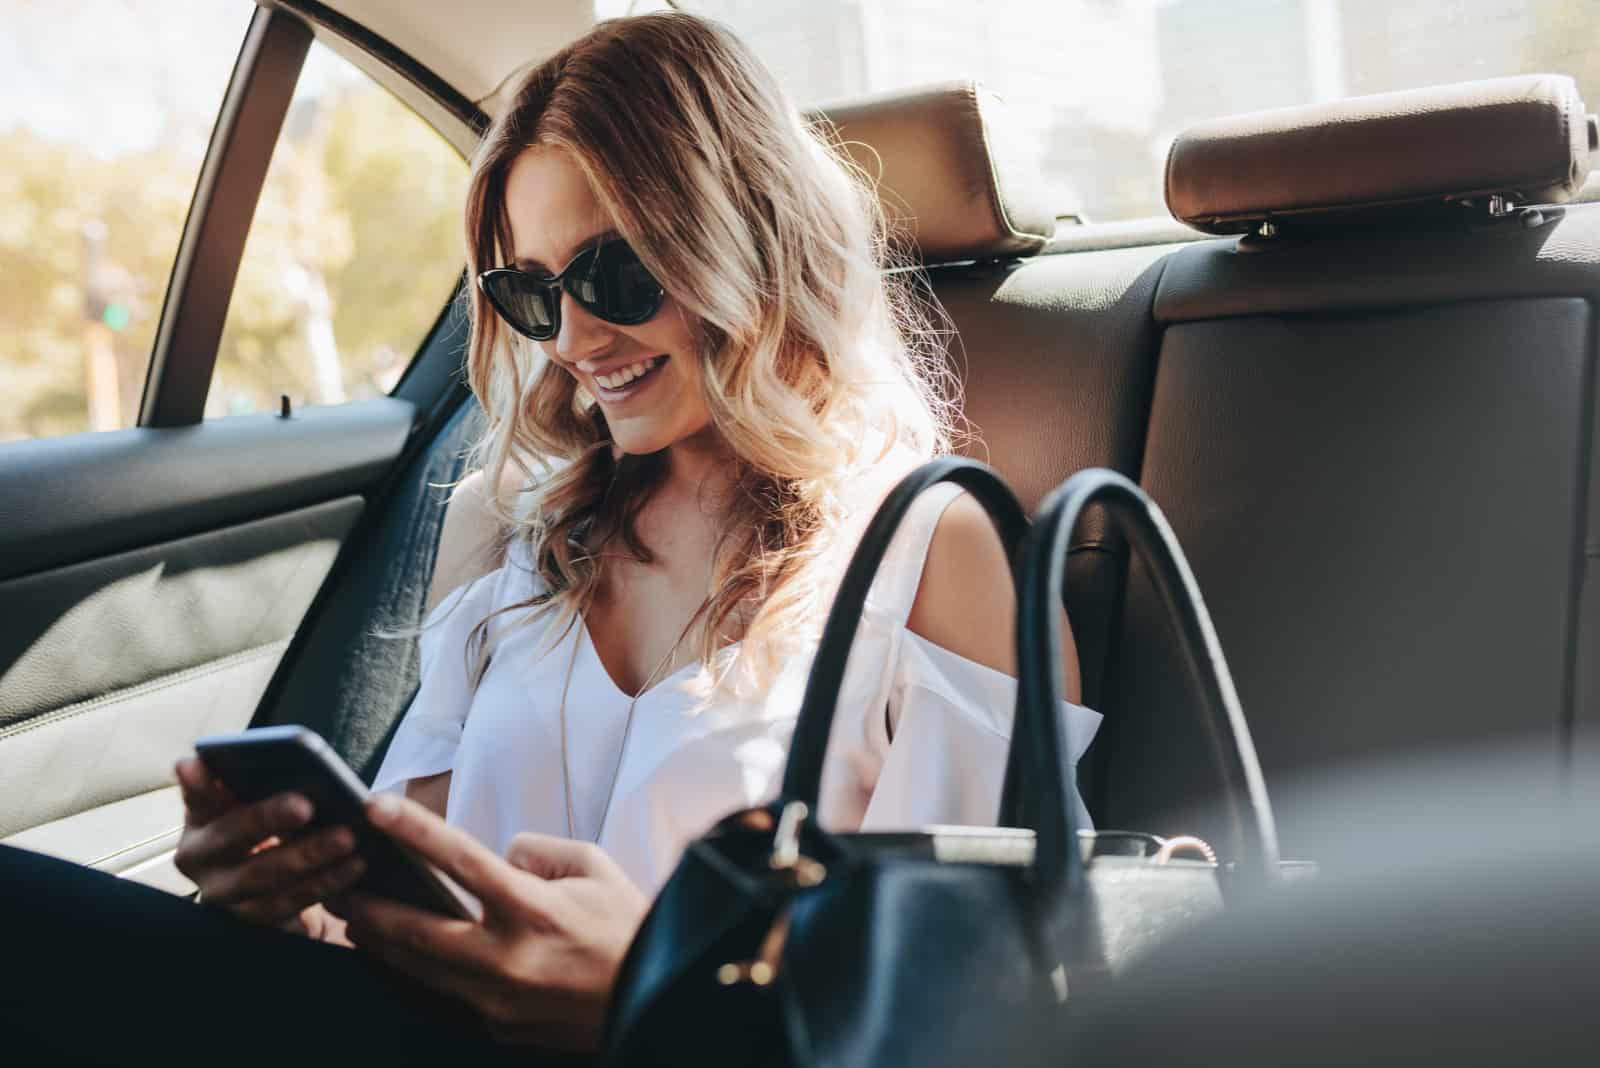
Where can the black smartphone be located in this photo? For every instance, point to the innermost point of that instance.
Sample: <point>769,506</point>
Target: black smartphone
<point>258,763</point>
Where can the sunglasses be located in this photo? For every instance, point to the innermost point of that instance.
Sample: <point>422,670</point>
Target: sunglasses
<point>607,279</point>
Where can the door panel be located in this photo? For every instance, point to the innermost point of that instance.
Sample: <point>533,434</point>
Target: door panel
<point>134,837</point>
<point>93,629</point>
<point>113,662</point>
<point>81,497</point>
<point>114,666</point>
<point>110,749</point>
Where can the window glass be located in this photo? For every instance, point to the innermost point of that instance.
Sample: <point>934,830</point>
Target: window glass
<point>106,107</point>
<point>1100,88</point>
<point>355,246</point>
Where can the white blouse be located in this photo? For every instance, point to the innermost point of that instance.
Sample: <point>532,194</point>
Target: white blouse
<point>919,734</point>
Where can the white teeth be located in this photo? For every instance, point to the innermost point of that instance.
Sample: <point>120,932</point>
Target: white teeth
<point>618,379</point>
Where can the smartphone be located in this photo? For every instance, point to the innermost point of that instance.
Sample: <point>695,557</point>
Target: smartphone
<point>258,763</point>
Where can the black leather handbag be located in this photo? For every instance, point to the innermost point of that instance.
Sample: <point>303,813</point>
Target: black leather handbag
<point>1126,893</point>
<point>776,942</point>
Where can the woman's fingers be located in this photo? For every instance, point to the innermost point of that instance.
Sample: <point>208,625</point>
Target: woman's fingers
<point>323,926</point>
<point>212,849</point>
<point>467,982</point>
<point>204,798</point>
<point>236,853</point>
<point>551,857</point>
<point>273,871</point>
<point>392,930</point>
<point>289,902</point>
<point>495,883</point>
<point>424,948</point>
<point>231,836</point>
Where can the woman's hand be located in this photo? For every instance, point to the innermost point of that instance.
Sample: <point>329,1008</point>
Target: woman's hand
<point>235,854</point>
<point>539,965</point>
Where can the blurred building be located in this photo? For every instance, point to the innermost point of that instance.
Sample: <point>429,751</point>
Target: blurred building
<point>1080,77</point>
<point>1223,57</point>
<point>1098,88</point>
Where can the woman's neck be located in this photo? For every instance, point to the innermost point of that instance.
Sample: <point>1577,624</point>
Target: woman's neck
<point>699,467</point>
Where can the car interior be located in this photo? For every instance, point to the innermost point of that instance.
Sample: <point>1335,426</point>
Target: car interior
<point>1356,368</point>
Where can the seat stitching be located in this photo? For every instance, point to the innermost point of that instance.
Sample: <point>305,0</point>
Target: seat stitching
<point>156,685</point>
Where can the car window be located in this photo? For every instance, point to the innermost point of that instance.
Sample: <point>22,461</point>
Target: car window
<point>106,108</point>
<point>354,249</point>
<point>1099,88</point>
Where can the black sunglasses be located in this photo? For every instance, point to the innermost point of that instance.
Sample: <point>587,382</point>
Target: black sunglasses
<point>606,278</point>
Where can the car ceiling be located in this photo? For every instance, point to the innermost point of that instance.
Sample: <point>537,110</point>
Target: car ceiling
<point>473,45</point>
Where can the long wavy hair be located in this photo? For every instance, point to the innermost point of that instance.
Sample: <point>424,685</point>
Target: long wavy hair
<point>821,370</point>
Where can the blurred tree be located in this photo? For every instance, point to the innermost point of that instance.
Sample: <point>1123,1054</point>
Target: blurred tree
<point>354,248</point>
<point>403,196</point>
<point>51,195</point>
<point>105,110</point>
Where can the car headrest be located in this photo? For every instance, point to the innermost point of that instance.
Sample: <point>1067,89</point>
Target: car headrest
<point>945,172</point>
<point>1524,139</point>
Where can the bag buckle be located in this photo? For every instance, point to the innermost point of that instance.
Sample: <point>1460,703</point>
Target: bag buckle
<point>764,968</point>
<point>786,856</point>
<point>802,871</point>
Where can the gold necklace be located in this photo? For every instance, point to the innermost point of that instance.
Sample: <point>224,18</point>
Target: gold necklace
<point>627,725</point>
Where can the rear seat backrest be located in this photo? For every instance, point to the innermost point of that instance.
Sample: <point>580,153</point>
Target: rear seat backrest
<point>1056,353</point>
<point>1376,443</point>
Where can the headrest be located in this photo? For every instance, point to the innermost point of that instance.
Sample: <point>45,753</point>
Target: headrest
<point>1525,138</point>
<point>945,172</point>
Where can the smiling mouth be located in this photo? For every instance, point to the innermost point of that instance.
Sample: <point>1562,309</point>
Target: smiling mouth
<point>628,380</point>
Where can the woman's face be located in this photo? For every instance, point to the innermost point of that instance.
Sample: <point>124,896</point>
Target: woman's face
<point>554,215</point>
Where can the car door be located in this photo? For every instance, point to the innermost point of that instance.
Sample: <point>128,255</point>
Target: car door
<point>154,568</point>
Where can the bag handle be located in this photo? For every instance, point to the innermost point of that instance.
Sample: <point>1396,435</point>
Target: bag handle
<point>1034,793</point>
<point>802,777</point>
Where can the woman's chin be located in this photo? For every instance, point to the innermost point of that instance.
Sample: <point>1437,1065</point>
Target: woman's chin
<point>640,437</point>
<point>640,441</point>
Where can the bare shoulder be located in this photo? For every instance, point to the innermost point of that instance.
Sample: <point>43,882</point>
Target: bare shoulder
<point>965,600</point>
<point>469,543</point>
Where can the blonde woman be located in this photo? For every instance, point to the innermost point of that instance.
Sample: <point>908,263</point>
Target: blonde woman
<point>699,383</point>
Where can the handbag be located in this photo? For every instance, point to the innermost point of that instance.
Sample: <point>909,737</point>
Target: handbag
<point>1123,884</point>
<point>776,942</point>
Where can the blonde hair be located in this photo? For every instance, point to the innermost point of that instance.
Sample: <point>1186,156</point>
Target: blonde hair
<point>817,363</point>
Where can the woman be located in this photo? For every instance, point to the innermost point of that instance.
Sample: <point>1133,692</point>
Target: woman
<point>681,301</point>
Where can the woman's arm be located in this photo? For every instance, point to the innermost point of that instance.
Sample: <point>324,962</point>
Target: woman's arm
<point>965,601</point>
<point>430,792</point>
<point>469,547</point>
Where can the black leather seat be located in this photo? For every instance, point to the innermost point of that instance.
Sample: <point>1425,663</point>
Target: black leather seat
<point>1374,434</point>
<point>1372,431</point>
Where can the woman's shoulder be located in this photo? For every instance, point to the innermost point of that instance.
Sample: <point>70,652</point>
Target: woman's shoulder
<point>471,540</point>
<point>894,590</point>
<point>946,576</point>
<point>483,597</point>
<point>965,600</point>
<point>475,543</point>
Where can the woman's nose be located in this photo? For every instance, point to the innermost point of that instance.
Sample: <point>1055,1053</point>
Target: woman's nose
<point>582,335</point>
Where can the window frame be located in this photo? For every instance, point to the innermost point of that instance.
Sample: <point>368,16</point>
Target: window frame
<point>211,247</point>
